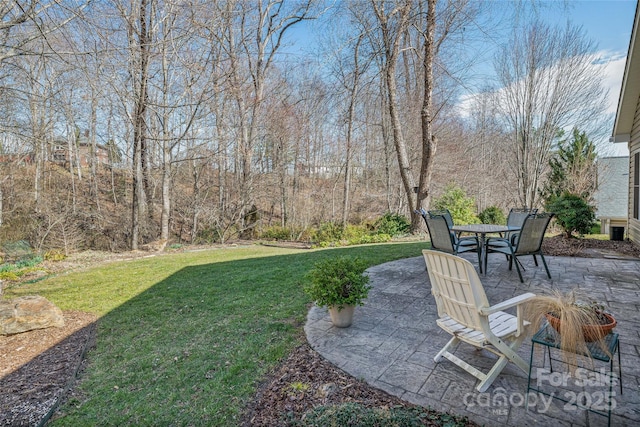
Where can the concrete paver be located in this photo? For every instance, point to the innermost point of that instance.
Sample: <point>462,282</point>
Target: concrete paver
<point>394,338</point>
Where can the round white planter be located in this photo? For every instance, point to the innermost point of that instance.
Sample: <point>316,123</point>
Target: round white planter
<point>342,318</point>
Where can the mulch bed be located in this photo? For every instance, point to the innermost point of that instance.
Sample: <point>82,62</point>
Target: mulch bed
<point>39,367</point>
<point>305,381</point>
<point>589,248</point>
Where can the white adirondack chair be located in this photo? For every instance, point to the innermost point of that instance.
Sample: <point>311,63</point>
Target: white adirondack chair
<point>465,313</point>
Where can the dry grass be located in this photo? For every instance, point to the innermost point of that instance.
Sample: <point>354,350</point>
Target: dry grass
<point>573,314</point>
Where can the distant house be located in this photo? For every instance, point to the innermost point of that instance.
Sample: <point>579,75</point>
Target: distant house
<point>627,128</point>
<point>59,152</point>
<point>611,196</point>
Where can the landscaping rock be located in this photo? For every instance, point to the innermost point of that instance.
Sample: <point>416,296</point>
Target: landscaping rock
<point>24,314</point>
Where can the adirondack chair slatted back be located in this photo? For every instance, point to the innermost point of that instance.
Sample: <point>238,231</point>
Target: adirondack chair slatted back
<point>532,233</point>
<point>457,289</point>
<point>464,312</point>
<point>439,233</point>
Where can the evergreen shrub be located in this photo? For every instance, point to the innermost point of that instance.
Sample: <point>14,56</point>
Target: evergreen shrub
<point>492,215</point>
<point>573,214</point>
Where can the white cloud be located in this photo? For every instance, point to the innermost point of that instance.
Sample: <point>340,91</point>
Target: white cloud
<point>612,66</point>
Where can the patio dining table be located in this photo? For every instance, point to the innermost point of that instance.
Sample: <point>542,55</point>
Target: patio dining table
<point>481,231</point>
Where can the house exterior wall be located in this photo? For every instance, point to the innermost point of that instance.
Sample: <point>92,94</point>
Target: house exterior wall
<point>634,177</point>
<point>611,196</point>
<point>61,155</point>
<point>101,156</point>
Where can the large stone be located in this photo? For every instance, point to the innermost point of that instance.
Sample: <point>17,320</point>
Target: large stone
<point>24,314</point>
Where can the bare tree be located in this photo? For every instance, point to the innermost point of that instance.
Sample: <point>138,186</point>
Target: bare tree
<point>262,31</point>
<point>429,141</point>
<point>393,26</point>
<point>349,65</point>
<point>186,74</point>
<point>548,83</point>
<point>486,144</point>
<point>137,17</point>
<point>396,21</point>
<point>24,21</point>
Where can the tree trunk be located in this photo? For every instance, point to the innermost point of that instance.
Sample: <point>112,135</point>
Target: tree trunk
<point>94,149</point>
<point>392,38</point>
<point>429,141</point>
<point>139,132</point>
<point>350,118</point>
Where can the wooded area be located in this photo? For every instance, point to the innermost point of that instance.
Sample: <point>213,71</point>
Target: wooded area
<point>130,121</point>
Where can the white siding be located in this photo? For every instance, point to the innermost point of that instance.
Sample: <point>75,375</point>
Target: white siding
<point>611,197</point>
<point>634,147</point>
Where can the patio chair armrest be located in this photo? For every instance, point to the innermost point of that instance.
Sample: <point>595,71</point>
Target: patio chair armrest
<point>514,237</point>
<point>511,302</point>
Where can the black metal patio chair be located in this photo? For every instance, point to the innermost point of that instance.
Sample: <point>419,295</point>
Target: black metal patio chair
<point>528,242</point>
<point>442,239</point>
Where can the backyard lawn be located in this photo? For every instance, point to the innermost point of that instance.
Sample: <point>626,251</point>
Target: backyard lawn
<point>184,339</point>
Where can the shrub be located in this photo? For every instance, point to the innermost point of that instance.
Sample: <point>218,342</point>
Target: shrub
<point>276,232</point>
<point>338,282</point>
<point>369,238</point>
<point>210,234</point>
<point>332,234</point>
<point>327,233</point>
<point>573,214</point>
<point>54,255</point>
<point>29,262</point>
<point>392,224</point>
<point>25,263</point>
<point>355,414</point>
<point>462,208</point>
<point>355,233</point>
<point>18,250</point>
<point>492,215</point>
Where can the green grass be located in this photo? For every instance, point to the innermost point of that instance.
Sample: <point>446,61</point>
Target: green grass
<point>597,236</point>
<point>184,339</point>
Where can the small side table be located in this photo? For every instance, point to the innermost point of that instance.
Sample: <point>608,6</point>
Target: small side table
<point>602,404</point>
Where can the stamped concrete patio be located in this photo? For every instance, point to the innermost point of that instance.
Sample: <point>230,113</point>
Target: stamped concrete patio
<point>394,338</point>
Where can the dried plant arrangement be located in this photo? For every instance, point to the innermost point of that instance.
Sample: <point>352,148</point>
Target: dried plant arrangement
<point>576,323</point>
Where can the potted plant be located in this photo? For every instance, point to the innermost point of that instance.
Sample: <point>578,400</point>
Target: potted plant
<point>340,285</point>
<point>575,322</point>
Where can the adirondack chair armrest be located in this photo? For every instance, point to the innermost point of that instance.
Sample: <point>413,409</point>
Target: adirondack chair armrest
<point>511,302</point>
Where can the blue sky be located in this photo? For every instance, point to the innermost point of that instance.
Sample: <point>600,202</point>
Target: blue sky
<point>607,22</point>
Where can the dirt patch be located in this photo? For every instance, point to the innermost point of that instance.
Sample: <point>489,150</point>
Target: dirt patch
<point>39,367</point>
